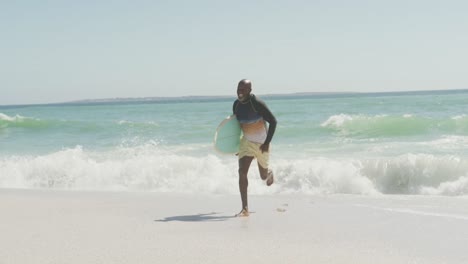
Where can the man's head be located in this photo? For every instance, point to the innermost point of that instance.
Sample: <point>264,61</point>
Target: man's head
<point>243,89</point>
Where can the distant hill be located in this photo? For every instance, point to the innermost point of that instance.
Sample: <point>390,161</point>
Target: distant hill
<point>263,96</point>
<point>202,98</point>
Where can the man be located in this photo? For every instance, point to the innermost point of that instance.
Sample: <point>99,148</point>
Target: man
<point>255,142</point>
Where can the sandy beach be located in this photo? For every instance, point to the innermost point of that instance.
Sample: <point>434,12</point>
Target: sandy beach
<point>140,227</point>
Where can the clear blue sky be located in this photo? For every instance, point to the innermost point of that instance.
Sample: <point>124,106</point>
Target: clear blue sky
<point>53,51</point>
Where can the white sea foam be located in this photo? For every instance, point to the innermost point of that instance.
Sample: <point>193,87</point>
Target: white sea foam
<point>337,120</point>
<point>322,175</point>
<point>148,123</point>
<point>11,119</point>
<point>456,187</point>
<point>448,142</point>
<point>152,167</point>
<point>459,117</point>
<point>144,168</point>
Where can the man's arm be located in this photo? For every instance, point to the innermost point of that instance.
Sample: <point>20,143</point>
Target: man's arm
<point>270,118</point>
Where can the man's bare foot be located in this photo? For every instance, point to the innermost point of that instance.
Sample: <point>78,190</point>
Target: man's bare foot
<point>270,179</point>
<point>243,213</point>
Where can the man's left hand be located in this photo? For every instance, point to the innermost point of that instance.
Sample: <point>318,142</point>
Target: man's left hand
<point>265,147</point>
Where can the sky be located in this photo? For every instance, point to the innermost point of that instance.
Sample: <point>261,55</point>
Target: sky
<point>58,51</point>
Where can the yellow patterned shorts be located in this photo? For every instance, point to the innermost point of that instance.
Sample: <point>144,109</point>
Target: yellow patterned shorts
<point>252,149</point>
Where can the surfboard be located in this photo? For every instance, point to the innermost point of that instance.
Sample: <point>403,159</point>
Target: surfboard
<point>227,136</point>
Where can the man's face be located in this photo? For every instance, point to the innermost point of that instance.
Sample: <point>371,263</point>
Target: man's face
<point>243,92</point>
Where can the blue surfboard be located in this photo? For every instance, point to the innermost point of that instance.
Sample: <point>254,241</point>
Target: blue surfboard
<point>227,136</point>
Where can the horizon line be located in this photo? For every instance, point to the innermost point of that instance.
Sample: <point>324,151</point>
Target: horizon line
<point>208,97</point>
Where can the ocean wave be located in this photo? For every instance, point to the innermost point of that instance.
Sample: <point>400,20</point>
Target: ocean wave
<point>405,174</point>
<point>394,126</point>
<point>20,121</point>
<point>153,167</point>
<point>147,124</point>
<point>32,124</point>
<point>144,168</point>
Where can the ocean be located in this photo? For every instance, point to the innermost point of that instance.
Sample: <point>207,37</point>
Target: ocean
<point>412,143</point>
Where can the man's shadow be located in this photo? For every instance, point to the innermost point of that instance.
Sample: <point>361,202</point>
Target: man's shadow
<point>210,217</point>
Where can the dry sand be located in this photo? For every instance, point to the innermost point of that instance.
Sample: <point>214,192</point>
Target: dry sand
<point>38,226</point>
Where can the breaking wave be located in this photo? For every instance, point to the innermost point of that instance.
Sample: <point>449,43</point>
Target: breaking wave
<point>394,126</point>
<point>158,169</point>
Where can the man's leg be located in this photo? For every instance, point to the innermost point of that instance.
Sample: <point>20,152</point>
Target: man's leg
<point>244,164</point>
<point>266,174</point>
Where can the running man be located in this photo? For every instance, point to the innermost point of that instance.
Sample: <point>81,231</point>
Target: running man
<point>253,114</point>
